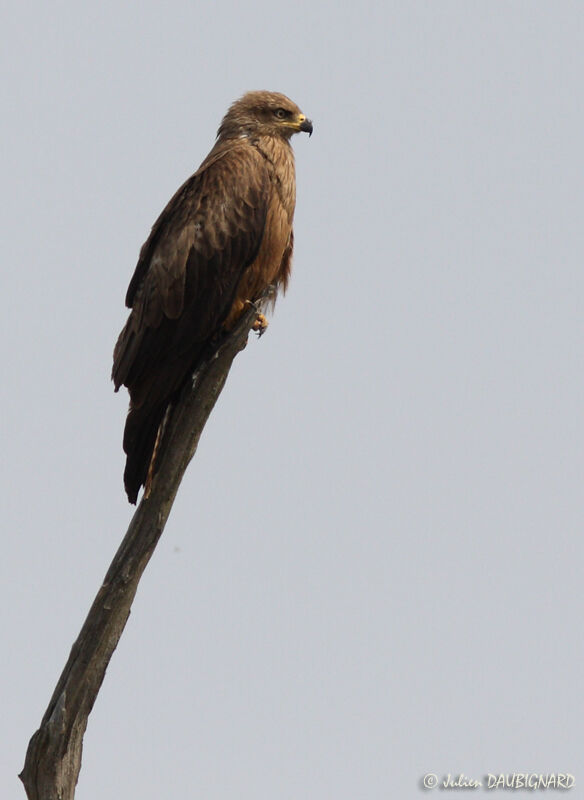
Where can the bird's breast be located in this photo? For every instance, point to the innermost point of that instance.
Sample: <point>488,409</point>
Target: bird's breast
<point>271,265</point>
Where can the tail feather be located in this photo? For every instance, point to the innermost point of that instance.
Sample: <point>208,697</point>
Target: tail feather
<point>153,385</point>
<point>140,433</point>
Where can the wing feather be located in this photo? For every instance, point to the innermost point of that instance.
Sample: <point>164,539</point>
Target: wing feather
<point>190,265</point>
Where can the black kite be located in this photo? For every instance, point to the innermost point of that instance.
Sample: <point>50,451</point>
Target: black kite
<point>222,240</point>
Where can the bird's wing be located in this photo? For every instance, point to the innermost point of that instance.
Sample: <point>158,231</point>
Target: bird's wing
<point>189,268</point>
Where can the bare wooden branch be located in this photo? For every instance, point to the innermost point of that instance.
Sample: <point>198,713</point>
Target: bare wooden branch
<point>53,758</point>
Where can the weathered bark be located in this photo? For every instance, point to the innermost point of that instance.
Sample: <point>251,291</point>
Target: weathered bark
<point>53,758</point>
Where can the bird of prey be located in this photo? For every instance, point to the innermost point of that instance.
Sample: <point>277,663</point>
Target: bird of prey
<point>223,239</point>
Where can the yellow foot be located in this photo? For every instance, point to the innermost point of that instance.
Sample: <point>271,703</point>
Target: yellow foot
<point>260,325</point>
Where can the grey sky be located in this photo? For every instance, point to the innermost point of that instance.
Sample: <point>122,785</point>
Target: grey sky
<point>373,567</point>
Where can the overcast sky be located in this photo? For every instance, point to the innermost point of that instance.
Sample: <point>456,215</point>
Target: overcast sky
<point>373,569</point>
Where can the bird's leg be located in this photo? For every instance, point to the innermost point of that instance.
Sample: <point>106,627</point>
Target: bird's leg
<point>260,324</point>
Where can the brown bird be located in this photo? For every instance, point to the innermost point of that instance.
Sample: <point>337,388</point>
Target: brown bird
<point>223,239</point>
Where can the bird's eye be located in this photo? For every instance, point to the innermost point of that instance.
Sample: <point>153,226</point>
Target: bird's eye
<point>281,113</point>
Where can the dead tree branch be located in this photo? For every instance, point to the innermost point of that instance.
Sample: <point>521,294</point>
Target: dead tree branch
<point>53,758</point>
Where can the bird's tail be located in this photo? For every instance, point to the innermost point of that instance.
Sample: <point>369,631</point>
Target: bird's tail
<point>140,442</point>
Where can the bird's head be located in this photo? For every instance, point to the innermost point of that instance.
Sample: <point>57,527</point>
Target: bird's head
<point>263,114</point>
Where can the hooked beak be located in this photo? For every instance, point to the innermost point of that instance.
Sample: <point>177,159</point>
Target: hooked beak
<point>305,125</point>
